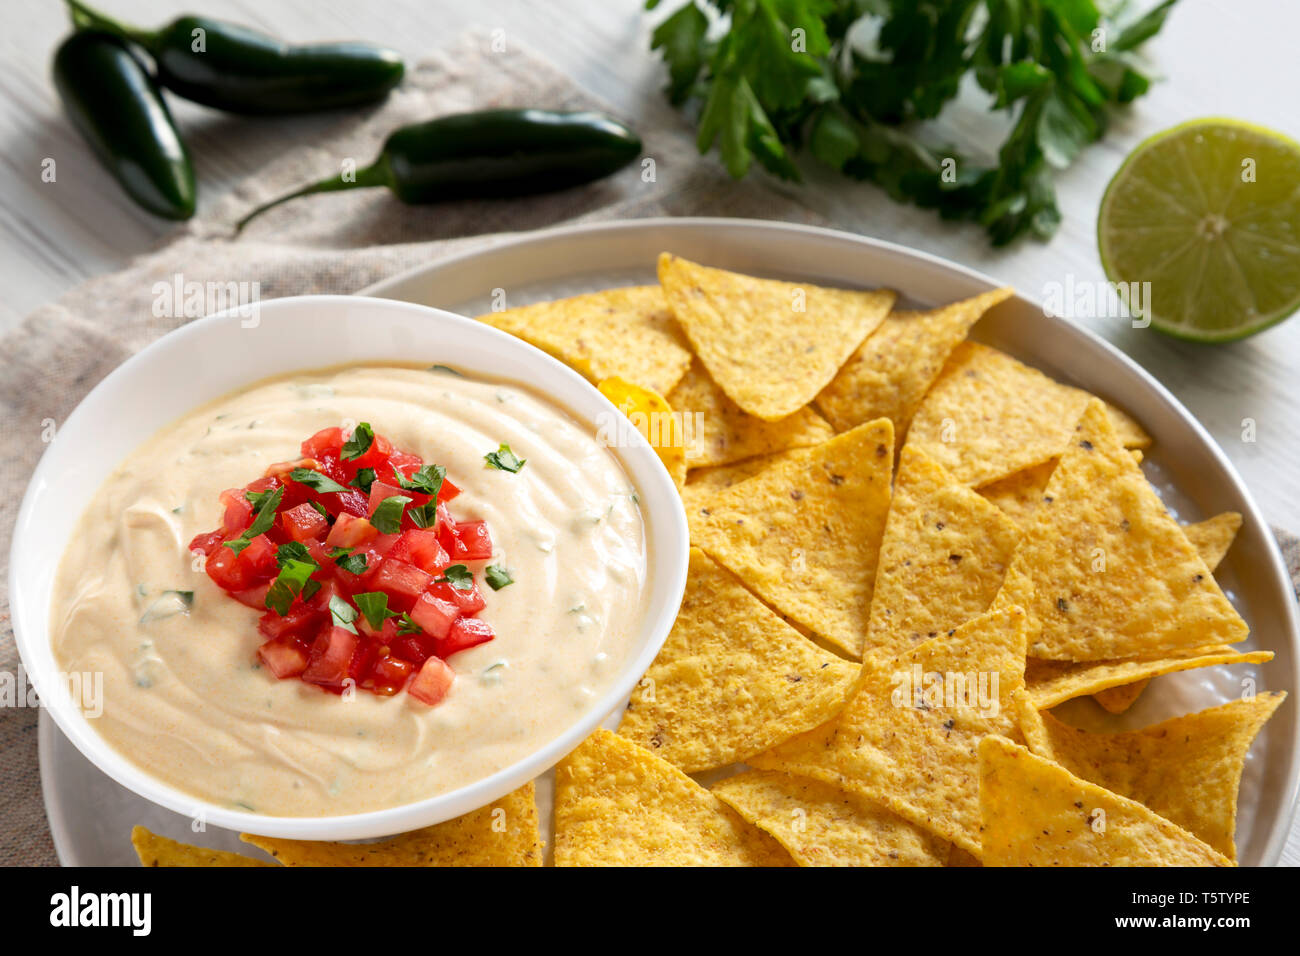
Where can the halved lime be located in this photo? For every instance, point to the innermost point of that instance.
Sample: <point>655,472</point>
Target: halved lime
<point>1208,213</point>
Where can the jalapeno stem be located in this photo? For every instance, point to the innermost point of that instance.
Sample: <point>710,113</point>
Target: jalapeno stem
<point>86,18</point>
<point>376,174</point>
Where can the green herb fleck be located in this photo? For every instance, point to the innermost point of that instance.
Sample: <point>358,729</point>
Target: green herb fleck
<point>315,480</point>
<point>360,442</point>
<point>428,480</point>
<point>504,459</point>
<point>343,613</point>
<point>458,576</point>
<point>291,582</point>
<point>262,521</point>
<point>364,479</point>
<point>374,606</point>
<point>345,559</point>
<point>388,515</point>
<point>497,577</point>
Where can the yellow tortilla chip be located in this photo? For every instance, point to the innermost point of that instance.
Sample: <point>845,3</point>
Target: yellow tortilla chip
<point>654,418</point>
<point>155,850</point>
<point>1112,573</point>
<point>703,483</point>
<point>504,833</point>
<point>1036,813</point>
<point>617,804</point>
<point>1053,682</point>
<point>1187,769</point>
<point>1211,538</point>
<point>943,556</point>
<point>720,432</point>
<point>732,679</point>
<point>805,533</point>
<point>909,737</point>
<point>959,857</point>
<point>822,825</point>
<point>618,333</point>
<point>771,346</point>
<point>889,374</point>
<point>988,416</point>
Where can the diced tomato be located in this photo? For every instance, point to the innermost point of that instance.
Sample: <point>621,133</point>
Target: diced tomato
<point>284,657</point>
<point>447,491</point>
<point>349,531</point>
<point>466,632</point>
<point>331,657</point>
<point>280,469</point>
<point>259,558</point>
<point>422,549</point>
<point>411,648</point>
<point>303,521</point>
<point>472,541</point>
<point>402,582</point>
<point>254,597</point>
<point>207,543</point>
<point>238,514</point>
<point>469,601</point>
<point>362,659</point>
<point>303,621</point>
<point>405,463</point>
<point>239,572</point>
<point>434,614</point>
<point>327,441</point>
<point>433,682</point>
<point>389,674</point>
<point>353,502</point>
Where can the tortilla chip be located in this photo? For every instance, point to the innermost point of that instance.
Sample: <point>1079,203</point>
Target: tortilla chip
<point>1036,813</point>
<point>1187,769</point>
<point>703,483</point>
<point>732,679</point>
<point>720,432</point>
<point>504,833</point>
<point>988,416</point>
<point>959,857</point>
<point>155,850</point>
<point>909,737</point>
<point>943,556</point>
<point>1112,573</point>
<point>1018,494</point>
<point>771,346</point>
<point>1054,682</point>
<point>892,370</point>
<point>822,825</point>
<point>654,418</point>
<point>1211,538</point>
<point>805,533</point>
<point>617,804</point>
<point>618,333</point>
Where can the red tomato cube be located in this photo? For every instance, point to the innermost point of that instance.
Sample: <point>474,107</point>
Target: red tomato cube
<point>330,660</point>
<point>238,513</point>
<point>303,521</point>
<point>422,549</point>
<point>473,542</point>
<point>402,582</point>
<point>434,614</point>
<point>465,632</point>
<point>433,682</point>
<point>302,621</point>
<point>469,601</point>
<point>349,531</point>
<point>389,674</point>
<point>283,657</point>
<point>327,441</point>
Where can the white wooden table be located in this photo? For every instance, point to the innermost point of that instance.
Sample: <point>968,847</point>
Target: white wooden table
<point>1218,57</point>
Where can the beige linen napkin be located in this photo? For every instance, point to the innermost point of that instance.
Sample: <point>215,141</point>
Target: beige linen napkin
<point>329,243</point>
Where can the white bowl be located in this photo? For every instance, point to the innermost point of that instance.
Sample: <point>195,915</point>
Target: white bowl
<point>217,355</point>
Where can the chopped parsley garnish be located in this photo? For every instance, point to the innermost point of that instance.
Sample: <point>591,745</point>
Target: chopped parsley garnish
<point>262,521</point>
<point>321,508</point>
<point>374,606</point>
<point>364,479</point>
<point>294,580</point>
<point>407,626</point>
<point>497,577</point>
<point>343,613</point>
<point>445,368</point>
<point>504,459</point>
<point>388,515</point>
<point>345,559</point>
<point>292,551</point>
<point>458,576</point>
<point>256,498</point>
<point>428,480</point>
<point>315,480</point>
<point>360,442</point>
<point>425,515</point>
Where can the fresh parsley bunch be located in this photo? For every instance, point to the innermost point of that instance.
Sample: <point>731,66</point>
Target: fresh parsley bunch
<point>852,80</point>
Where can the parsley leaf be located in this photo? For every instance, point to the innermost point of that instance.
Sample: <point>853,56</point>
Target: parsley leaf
<point>504,459</point>
<point>360,442</point>
<point>315,480</point>
<point>365,477</point>
<point>428,480</point>
<point>293,580</point>
<point>345,559</point>
<point>262,520</point>
<point>425,515</point>
<point>374,605</point>
<point>388,514</point>
<point>342,613</point>
<point>497,577</point>
<point>458,576</point>
<point>407,626</point>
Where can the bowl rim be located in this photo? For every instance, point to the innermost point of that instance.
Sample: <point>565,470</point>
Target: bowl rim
<point>667,550</point>
<point>730,231</point>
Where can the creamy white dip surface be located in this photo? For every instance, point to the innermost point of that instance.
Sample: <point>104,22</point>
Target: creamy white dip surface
<point>184,696</point>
